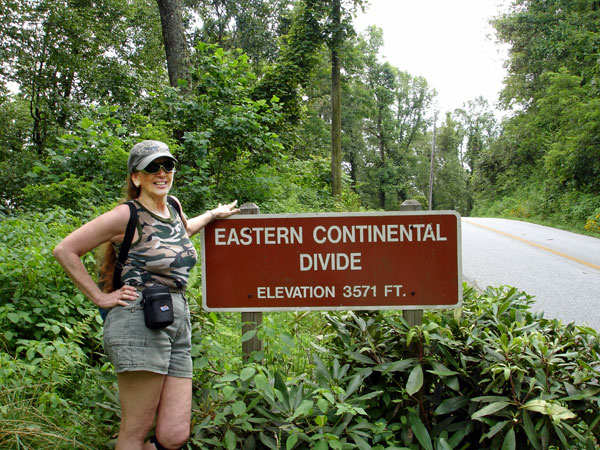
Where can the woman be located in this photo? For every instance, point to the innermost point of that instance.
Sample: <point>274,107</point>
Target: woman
<point>154,367</point>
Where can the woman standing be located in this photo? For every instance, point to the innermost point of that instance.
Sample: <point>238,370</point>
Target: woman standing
<point>154,366</point>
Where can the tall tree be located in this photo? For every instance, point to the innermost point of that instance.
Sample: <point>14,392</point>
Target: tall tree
<point>336,105</point>
<point>254,26</point>
<point>481,128</point>
<point>176,47</point>
<point>66,54</point>
<point>450,187</point>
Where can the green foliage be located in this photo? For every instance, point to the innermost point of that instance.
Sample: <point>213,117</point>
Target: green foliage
<point>72,193</point>
<point>302,186</point>
<point>536,202</point>
<point>550,143</point>
<point>36,299</point>
<point>227,133</point>
<point>35,414</point>
<point>487,376</point>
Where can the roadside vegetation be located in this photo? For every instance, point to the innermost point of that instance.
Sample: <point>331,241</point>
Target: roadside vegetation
<point>249,116</point>
<point>492,374</point>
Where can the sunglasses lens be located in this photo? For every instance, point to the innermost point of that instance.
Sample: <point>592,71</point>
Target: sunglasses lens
<point>154,167</point>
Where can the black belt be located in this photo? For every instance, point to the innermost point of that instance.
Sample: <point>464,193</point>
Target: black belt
<point>171,289</point>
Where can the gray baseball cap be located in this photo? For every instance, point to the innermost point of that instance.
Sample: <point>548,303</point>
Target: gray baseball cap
<point>145,152</point>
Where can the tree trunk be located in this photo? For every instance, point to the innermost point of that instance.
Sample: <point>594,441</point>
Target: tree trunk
<point>171,19</point>
<point>381,139</point>
<point>336,108</point>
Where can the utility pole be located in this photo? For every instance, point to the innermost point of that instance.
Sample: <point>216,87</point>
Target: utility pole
<point>431,166</point>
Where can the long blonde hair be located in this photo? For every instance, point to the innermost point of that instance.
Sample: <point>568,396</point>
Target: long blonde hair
<point>109,256</point>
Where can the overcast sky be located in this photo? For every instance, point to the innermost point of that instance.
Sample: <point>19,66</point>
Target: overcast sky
<point>449,43</point>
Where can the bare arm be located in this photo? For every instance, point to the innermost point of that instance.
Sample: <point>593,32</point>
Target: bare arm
<point>195,224</point>
<point>107,227</point>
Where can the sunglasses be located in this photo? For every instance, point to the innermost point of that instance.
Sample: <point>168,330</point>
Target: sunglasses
<point>168,166</point>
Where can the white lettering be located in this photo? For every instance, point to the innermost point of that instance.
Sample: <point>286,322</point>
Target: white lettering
<point>233,238</point>
<point>392,233</point>
<point>405,233</point>
<point>258,236</point>
<point>438,237</point>
<point>330,261</point>
<point>246,236</point>
<point>305,262</point>
<point>295,292</point>
<point>219,234</point>
<point>315,231</point>
<point>429,233</point>
<point>418,227</point>
<point>270,235</point>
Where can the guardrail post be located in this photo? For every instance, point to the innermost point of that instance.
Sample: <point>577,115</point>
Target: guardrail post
<point>412,316</point>
<point>250,320</point>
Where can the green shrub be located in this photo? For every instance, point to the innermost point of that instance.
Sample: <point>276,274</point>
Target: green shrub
<point>72,193</point>
<point>33,416</point>
<point>490,376</point>
<point>37,300</point>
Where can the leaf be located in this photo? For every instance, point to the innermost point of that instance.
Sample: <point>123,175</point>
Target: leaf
<point>495,354</point>
<point>321,420</point>
<point>228,377</point>
<point>228,391</point>
<point>510,442</point>
<point>451,404</point>
<point>303,409</point>
<point>13,317</point>
<point>261,381</point>
<point>534,441</point>
<point>489,409</point>
<point>397,366</point>
<point>420,431</point>
<point>321,445</point>
<point>247,373</point>
<point>248,335</point>
<point>361,358</point>
<point>230,440</point>
<point>320,367</point>
<point>415,380</point>
<point>268,441</point>
<point>323,405</point>
<point>442,371</point>
<point>495,429</point>
<point>354,383</point>
<point>582,395</point>
<point>291,441</point>
<point>238,408</point>
<point>360,442</point>
<point>281,387</point>
<point>443,445</point>
<point>553,409</point>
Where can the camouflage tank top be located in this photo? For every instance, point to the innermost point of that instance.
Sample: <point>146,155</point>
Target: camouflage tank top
<point>162,253</point>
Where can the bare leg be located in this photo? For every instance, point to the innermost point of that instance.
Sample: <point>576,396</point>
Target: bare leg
<point>139,393</point>
<point>174,413</point>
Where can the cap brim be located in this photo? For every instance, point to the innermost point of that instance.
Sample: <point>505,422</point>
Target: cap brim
<point>148,159</point>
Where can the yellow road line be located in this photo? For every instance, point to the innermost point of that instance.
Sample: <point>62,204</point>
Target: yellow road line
<point>533,244</point>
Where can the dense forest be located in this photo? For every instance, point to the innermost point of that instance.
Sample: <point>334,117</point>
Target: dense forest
<point>283,104</point>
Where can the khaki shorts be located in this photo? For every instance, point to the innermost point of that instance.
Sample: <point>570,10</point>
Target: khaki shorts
<point>131,345</point>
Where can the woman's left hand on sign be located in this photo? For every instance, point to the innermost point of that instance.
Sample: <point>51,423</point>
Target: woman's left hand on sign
<point>223,211</point>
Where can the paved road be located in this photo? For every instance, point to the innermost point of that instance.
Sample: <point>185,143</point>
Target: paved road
<point>561,269</point>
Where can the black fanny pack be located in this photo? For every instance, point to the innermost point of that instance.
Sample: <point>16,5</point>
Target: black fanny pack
<point>158,306</point>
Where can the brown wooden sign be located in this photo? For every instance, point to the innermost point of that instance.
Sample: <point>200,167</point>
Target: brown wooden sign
<point>400,260</point>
